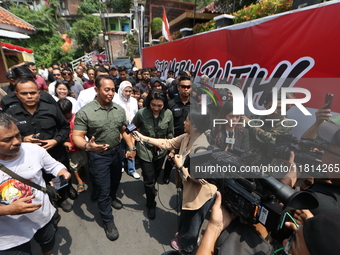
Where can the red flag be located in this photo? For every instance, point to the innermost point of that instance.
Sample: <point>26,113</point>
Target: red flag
<point>165,27</point>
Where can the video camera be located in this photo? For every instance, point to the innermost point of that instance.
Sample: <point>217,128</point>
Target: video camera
<point>254,200</point>
<point>306,150</point>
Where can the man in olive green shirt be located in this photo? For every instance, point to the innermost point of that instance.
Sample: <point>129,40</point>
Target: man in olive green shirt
<point>102,122</point>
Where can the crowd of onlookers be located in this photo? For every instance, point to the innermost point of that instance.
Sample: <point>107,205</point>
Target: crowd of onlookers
<point>111,119</point>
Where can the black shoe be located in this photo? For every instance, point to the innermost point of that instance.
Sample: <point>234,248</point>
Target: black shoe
<point>111,231</point>
<point>117,204</point>
<point>72,193</point>
<point>66,206</point>
<point>152,213</point>
<point>166,180</point>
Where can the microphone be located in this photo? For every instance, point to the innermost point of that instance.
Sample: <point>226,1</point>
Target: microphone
<point>130,129</point>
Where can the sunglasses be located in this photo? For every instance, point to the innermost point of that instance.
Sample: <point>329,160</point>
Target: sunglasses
<point>69,74</point>
<point>185,87</point>
<point>57,74</point>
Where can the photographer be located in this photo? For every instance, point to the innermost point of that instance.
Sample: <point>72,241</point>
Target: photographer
<point>197,193</point>
<point>313,237</point>
<point>327,193</point>
<point>260,136</point>
<point>230,135</point>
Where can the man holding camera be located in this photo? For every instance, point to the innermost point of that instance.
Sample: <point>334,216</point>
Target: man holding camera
<point>25,212</point>
<point>318,235</point>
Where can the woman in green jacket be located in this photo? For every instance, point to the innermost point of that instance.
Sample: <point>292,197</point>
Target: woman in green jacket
<point>156,121</point>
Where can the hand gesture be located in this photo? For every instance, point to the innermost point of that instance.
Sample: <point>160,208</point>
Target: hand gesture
<point>92,146</point>
<point>322,115</point>
<point>22,206</point>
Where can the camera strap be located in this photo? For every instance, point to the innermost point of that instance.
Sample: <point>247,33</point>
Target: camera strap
<point>23,180</point>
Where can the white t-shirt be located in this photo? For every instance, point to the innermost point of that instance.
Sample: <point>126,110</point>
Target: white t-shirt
<point>86,96</point>
<point>19,229</point>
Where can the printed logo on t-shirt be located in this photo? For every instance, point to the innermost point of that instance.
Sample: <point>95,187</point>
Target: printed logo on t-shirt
<point>11,190</point>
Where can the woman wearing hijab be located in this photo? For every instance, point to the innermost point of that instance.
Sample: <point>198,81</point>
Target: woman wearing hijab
<point>130,105</point>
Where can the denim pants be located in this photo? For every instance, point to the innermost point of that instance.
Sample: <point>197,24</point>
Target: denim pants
<point>127,164</point>
<point>106,172</point>
<point>190,222</point>
<point>150,172</point>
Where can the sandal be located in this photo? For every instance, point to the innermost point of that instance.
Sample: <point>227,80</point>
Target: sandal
<point>81,187</point>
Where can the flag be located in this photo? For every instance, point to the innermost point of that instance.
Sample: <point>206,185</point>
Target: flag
<point>165,27</point>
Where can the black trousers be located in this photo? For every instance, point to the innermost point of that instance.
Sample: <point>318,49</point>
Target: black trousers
<point>150,172</point>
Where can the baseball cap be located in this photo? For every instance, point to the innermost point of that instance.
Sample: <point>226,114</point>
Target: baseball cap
<point>113,67</point>
<point>330,133</point>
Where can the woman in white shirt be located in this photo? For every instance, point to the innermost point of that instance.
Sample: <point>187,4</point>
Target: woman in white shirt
<point>130,105</point>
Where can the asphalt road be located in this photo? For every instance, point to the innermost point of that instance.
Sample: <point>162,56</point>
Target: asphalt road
<point>80,231</point>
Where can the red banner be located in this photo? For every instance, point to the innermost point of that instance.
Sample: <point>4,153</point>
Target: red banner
<point>299,44</point>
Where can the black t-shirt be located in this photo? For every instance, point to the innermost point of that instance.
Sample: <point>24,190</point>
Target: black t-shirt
<point>180,112</point>
<point>328,196</point>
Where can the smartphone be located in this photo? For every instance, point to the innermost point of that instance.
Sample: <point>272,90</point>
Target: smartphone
<point>59,182</point>
<point>329,100</point>
<point>36,136</point>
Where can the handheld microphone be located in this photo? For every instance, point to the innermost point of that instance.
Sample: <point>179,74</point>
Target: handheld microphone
<point>130,129</point>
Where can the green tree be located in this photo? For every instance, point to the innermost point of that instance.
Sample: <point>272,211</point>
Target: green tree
<point>47,42</point>
<point>85,31</point>
<point>121,6</point>
<point>156,25</point>
<point>90,6</point>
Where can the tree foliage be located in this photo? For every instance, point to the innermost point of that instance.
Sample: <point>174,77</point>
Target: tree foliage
<point>156,24</point>
<point>120,6</point>
<point>85,31</point>
<point>47,42</point>
<point>262,9</point>
<point>90,6</point>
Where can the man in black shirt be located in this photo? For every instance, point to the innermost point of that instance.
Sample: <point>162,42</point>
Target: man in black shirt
<point>180,107</point>
<point>41,123</point>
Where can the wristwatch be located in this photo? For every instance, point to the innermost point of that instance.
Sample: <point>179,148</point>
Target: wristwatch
<point>133,148</point>
<point>180,169</point>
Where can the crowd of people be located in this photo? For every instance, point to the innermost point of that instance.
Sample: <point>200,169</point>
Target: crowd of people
<point>56,121</point>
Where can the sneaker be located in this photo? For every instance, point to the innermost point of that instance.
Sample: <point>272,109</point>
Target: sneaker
<point>123,170</point>
<point>117,204</point>
<point>111,231</point>
<point>175,244</point>
<point>135,175</point>
<point>152,213</point>
<point>66,206</point>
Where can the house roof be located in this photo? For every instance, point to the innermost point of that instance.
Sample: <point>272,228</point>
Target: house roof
<point>211,8</point>
<point>9,21</point>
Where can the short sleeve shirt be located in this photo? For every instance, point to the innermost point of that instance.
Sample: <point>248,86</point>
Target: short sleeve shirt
<point>104,124</point>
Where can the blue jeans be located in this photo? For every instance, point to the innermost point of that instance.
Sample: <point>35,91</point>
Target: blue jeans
<point>106,173</point>
<point>127,164</point>
<point>190,222</point>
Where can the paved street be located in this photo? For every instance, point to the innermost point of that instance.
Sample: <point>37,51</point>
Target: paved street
<point>79,232</point>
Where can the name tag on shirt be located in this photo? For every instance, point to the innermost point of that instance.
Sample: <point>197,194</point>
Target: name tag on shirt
<point>230,140</point>
<point>21,122</point>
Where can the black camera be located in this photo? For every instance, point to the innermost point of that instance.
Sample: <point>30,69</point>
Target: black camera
<point>254,198</point>
<point>307,150</point>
